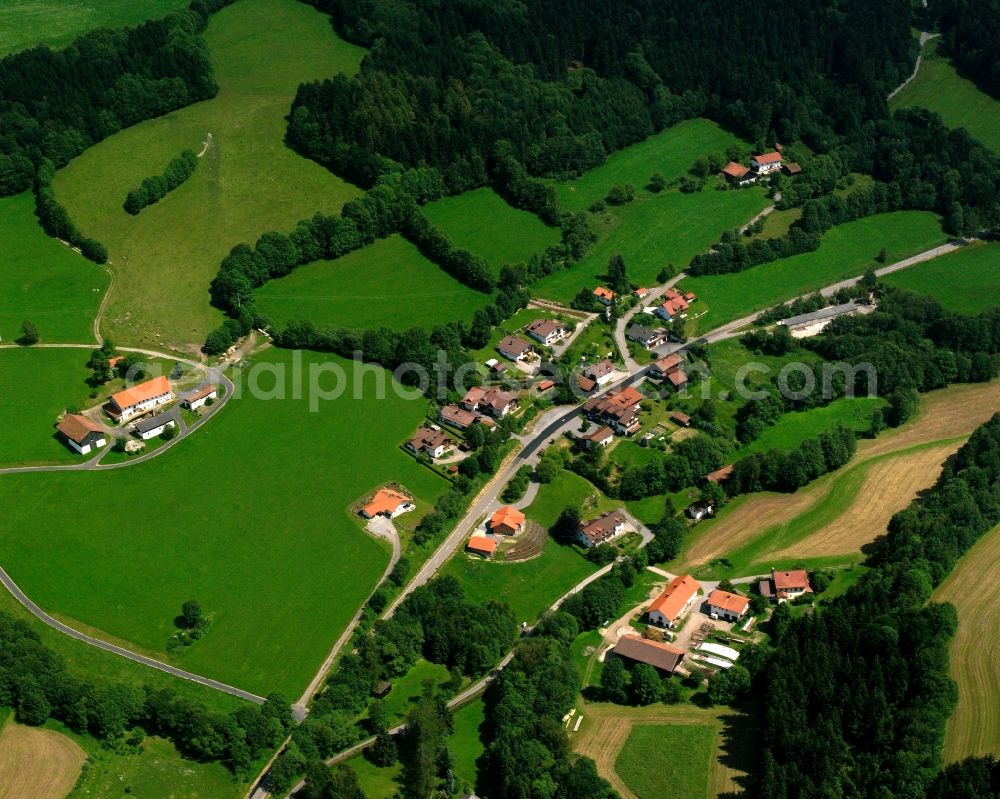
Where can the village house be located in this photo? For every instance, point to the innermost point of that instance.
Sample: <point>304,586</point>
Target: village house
<point>389,503</point>
<point>481,545</point>
<point>517,349</point>
<point>647,337</point>
<point>674,304</point>
<point>792,168</point>
<point>494,401</point>
<point>585,384</point>
<point>604,296</point>
<point>663,657</point>
<point>139,399</point>
<point>727,606</point>
<point>677,378</point>
<point>547,331</point>
<point>80,433</point>
<point>153,426</point>
<point>789,584</point>
<point>699,510</point>
<point>507,520</point>
<point>659,368</point>
<point>738,174</point>
<point>601,437</point>
<point>196,399</point>
<point>602,372</point>
<point>679,418</point>
<point>619,410</point>
<point>675,601</point>
<point>604,528</point>
<point>430,442</point>
<point>455,416</point>
<point>640,293</point>
<point>766,163</point>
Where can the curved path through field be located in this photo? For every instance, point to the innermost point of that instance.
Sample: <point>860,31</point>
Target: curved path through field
<point>974,589</point>
<point>924,38</point>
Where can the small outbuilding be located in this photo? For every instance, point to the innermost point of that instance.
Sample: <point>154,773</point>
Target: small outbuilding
<point>80,433</point>
<point>153,426</point>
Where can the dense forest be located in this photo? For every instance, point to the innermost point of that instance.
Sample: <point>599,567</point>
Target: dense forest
<point>565,83</point>
<point>857,695</point>
<point>971,33</point>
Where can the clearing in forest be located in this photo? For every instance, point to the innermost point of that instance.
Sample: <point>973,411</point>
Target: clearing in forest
<point>37,763</point>
<point>251,517</point>
<point>966,281</point>
<point>247,183</point>
<point>482,223</point>
<point>755,527</point>
<point>974,589</point>
<point>955,99</point>
<point>387,284</point>
<point>717,758</point>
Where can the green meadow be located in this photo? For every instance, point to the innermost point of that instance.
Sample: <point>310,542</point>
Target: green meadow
<point>957,101</point>
<point>659,760</point>
<point>43,281</point>
<point>247,183</point>
<point>670,152</point>
<point>386,284</point>
<point>966,281</point>
<point>652,231</point>
<point>847,251</point>
<point>481,222</point>
<point>250,516</point>
<point>25,23</point>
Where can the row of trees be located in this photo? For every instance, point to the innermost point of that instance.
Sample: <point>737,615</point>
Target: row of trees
<point>55,219</point>
<point>155,188</point>
<point>472,270</point>
<point>858,694</point>
<point>34,681</point>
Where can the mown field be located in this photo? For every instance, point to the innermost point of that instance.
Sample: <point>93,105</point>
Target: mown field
<point>247,183</point>
<point>386,284</point>
<point>966,281</point>
<point>481,222</point>
<point>847,251</point>
<point>37,763</point>
<point>674,759</point>
<point>828,521</point>
<point>974,589</point>
<point>716,761</point>
<point>652,231</point>
<point>958,101</point>
<point>670,152</point>
<point>25,23</point>
<point>42,280</point>
<point>250,516</point>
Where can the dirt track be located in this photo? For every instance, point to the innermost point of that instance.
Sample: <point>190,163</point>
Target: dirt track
<point>945,414</point>
<point>36,763</point>
<point>974,589</point>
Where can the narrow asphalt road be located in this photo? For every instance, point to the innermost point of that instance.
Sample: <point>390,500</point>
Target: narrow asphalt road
<point>626,319</point>
<point>924,38</point>
<point>21,597</point>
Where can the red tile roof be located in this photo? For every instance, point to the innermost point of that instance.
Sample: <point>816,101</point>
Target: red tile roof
<point>545,385</point>
<point>201,393</point>
<point>508,516</point>
<point>386,500</point>
<point>457,416</point>
<point>677,594</point>
<point>735,170</point>
<point>606,293</point>
<point>795,580</point>
<point>767,158</point>
<point>734,603</point>
<point>681,418</point>
<point>480,543</point>
<point>142,392</point>
<point>660,656</point>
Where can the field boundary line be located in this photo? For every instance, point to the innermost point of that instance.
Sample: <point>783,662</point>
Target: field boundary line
<point>159,665</point>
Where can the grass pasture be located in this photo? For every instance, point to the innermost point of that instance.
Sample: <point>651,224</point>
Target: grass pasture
<point>674,759</point>
<point>974,589</point>
<point>386,284</point>
<point>957,101</point>
<point>652,231</point>
<point>267,545</point>
<point>966,281</point>
<point>247,183</point>
<point>792,429</point>
<point>847,251</point>
<point>42,280</point>
<point>466,743</point>
<point>670,152</point>
<point>26,23</point>
<point>481,222</point>
<point>37,763</point>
